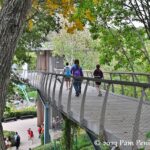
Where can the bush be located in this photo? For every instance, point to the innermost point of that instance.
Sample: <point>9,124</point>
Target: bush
<point>88,148</point>
<point>19,113</point>
<point>83,144</point>
<point>83,141</point>
<point>49,146</point>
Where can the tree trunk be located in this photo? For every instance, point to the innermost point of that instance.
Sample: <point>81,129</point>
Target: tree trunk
<point>12,17</point>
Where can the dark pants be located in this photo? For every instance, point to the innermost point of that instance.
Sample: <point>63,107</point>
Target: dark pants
<point>77,86</point>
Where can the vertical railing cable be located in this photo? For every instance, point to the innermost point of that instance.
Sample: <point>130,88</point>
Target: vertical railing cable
<point>54,88</point>
<point>137,120</point>
<point>102,114</point>
<point>82,108</point>
<point>60,93</point>
<point>69,100</point>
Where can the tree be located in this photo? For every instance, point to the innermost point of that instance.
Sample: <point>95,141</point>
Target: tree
<point>78,45</point>
<point>12,17</point>
<point>119,38</point>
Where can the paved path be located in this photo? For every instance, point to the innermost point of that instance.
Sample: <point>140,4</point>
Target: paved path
<point>21,126</point>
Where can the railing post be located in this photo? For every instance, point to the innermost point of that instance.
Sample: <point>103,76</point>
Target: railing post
<point>113,90</point>
<point>49,88</point>
<point>60,93</point>
<point>54,88</point>
<point>42,82</point>
<point>122,87</point>
<point>34,79</point>
<point>102,114</point>
<point>137,120</point>
<point>69,100</point>
<point>135,93</point>
<point>91,77</point>
<point>82,108</point>
<point>45,84</point>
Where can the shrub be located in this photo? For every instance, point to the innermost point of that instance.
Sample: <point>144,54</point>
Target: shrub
<point>22,112</point>
<point>49,146</point>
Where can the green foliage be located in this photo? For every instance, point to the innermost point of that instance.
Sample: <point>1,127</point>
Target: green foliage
<point>19,113</point>
<point>83,141</point>
<point>50,146</point>
<point>148,135</point>
<point>83,144</point>
<point>42,139</point>
<point>32,38</point>
<point>8,133</point>
<point>121,44</point>
<point>32,94</point>
<point>80,46</point>
<point>68,132</point>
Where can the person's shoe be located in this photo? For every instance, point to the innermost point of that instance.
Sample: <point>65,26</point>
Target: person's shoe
<point>77,95</point>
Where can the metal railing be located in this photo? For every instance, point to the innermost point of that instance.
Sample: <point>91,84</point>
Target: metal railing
<point>119,76</point>
<point>47,83</point>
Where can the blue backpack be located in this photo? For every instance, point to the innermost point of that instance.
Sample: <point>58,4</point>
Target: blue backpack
<point>67,72</point>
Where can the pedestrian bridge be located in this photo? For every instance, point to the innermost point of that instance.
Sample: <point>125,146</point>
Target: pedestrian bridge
<point>120,116</point>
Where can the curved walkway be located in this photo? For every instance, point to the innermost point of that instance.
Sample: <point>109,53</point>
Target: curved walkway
<point>21,126</point>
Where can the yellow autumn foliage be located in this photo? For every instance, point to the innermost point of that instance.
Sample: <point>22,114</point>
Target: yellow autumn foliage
<point>35,4</point>
<point>96,1</point>
<point>71,30</point>
<point>89,16</point>
<point>30,24</point>
<point>69,11</point>
<point>79,25</point>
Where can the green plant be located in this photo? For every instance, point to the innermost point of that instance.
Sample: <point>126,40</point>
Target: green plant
<point>42,139</point>
<point>19,113</point>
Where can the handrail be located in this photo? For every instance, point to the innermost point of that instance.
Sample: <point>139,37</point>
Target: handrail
<point>144,85</point>
<point>112,72</point>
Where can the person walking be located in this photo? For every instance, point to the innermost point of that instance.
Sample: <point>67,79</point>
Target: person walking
<point>8,143</point>
<point>76,71</point>
<point>67,73</point>
<point>39,130</point>
<point>17,140</point>
<point>30,135</point>
<point>98,74</point>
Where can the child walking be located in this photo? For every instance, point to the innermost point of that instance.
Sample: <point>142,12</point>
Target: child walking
<point>67,73</point>
<point>98,74</point>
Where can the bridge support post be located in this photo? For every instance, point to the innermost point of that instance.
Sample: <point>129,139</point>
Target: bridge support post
<point>46,123</point>
<point>93,140</point>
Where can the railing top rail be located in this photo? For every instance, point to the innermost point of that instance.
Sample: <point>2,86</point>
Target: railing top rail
<point>112,72</point>
<point>143,85</point>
